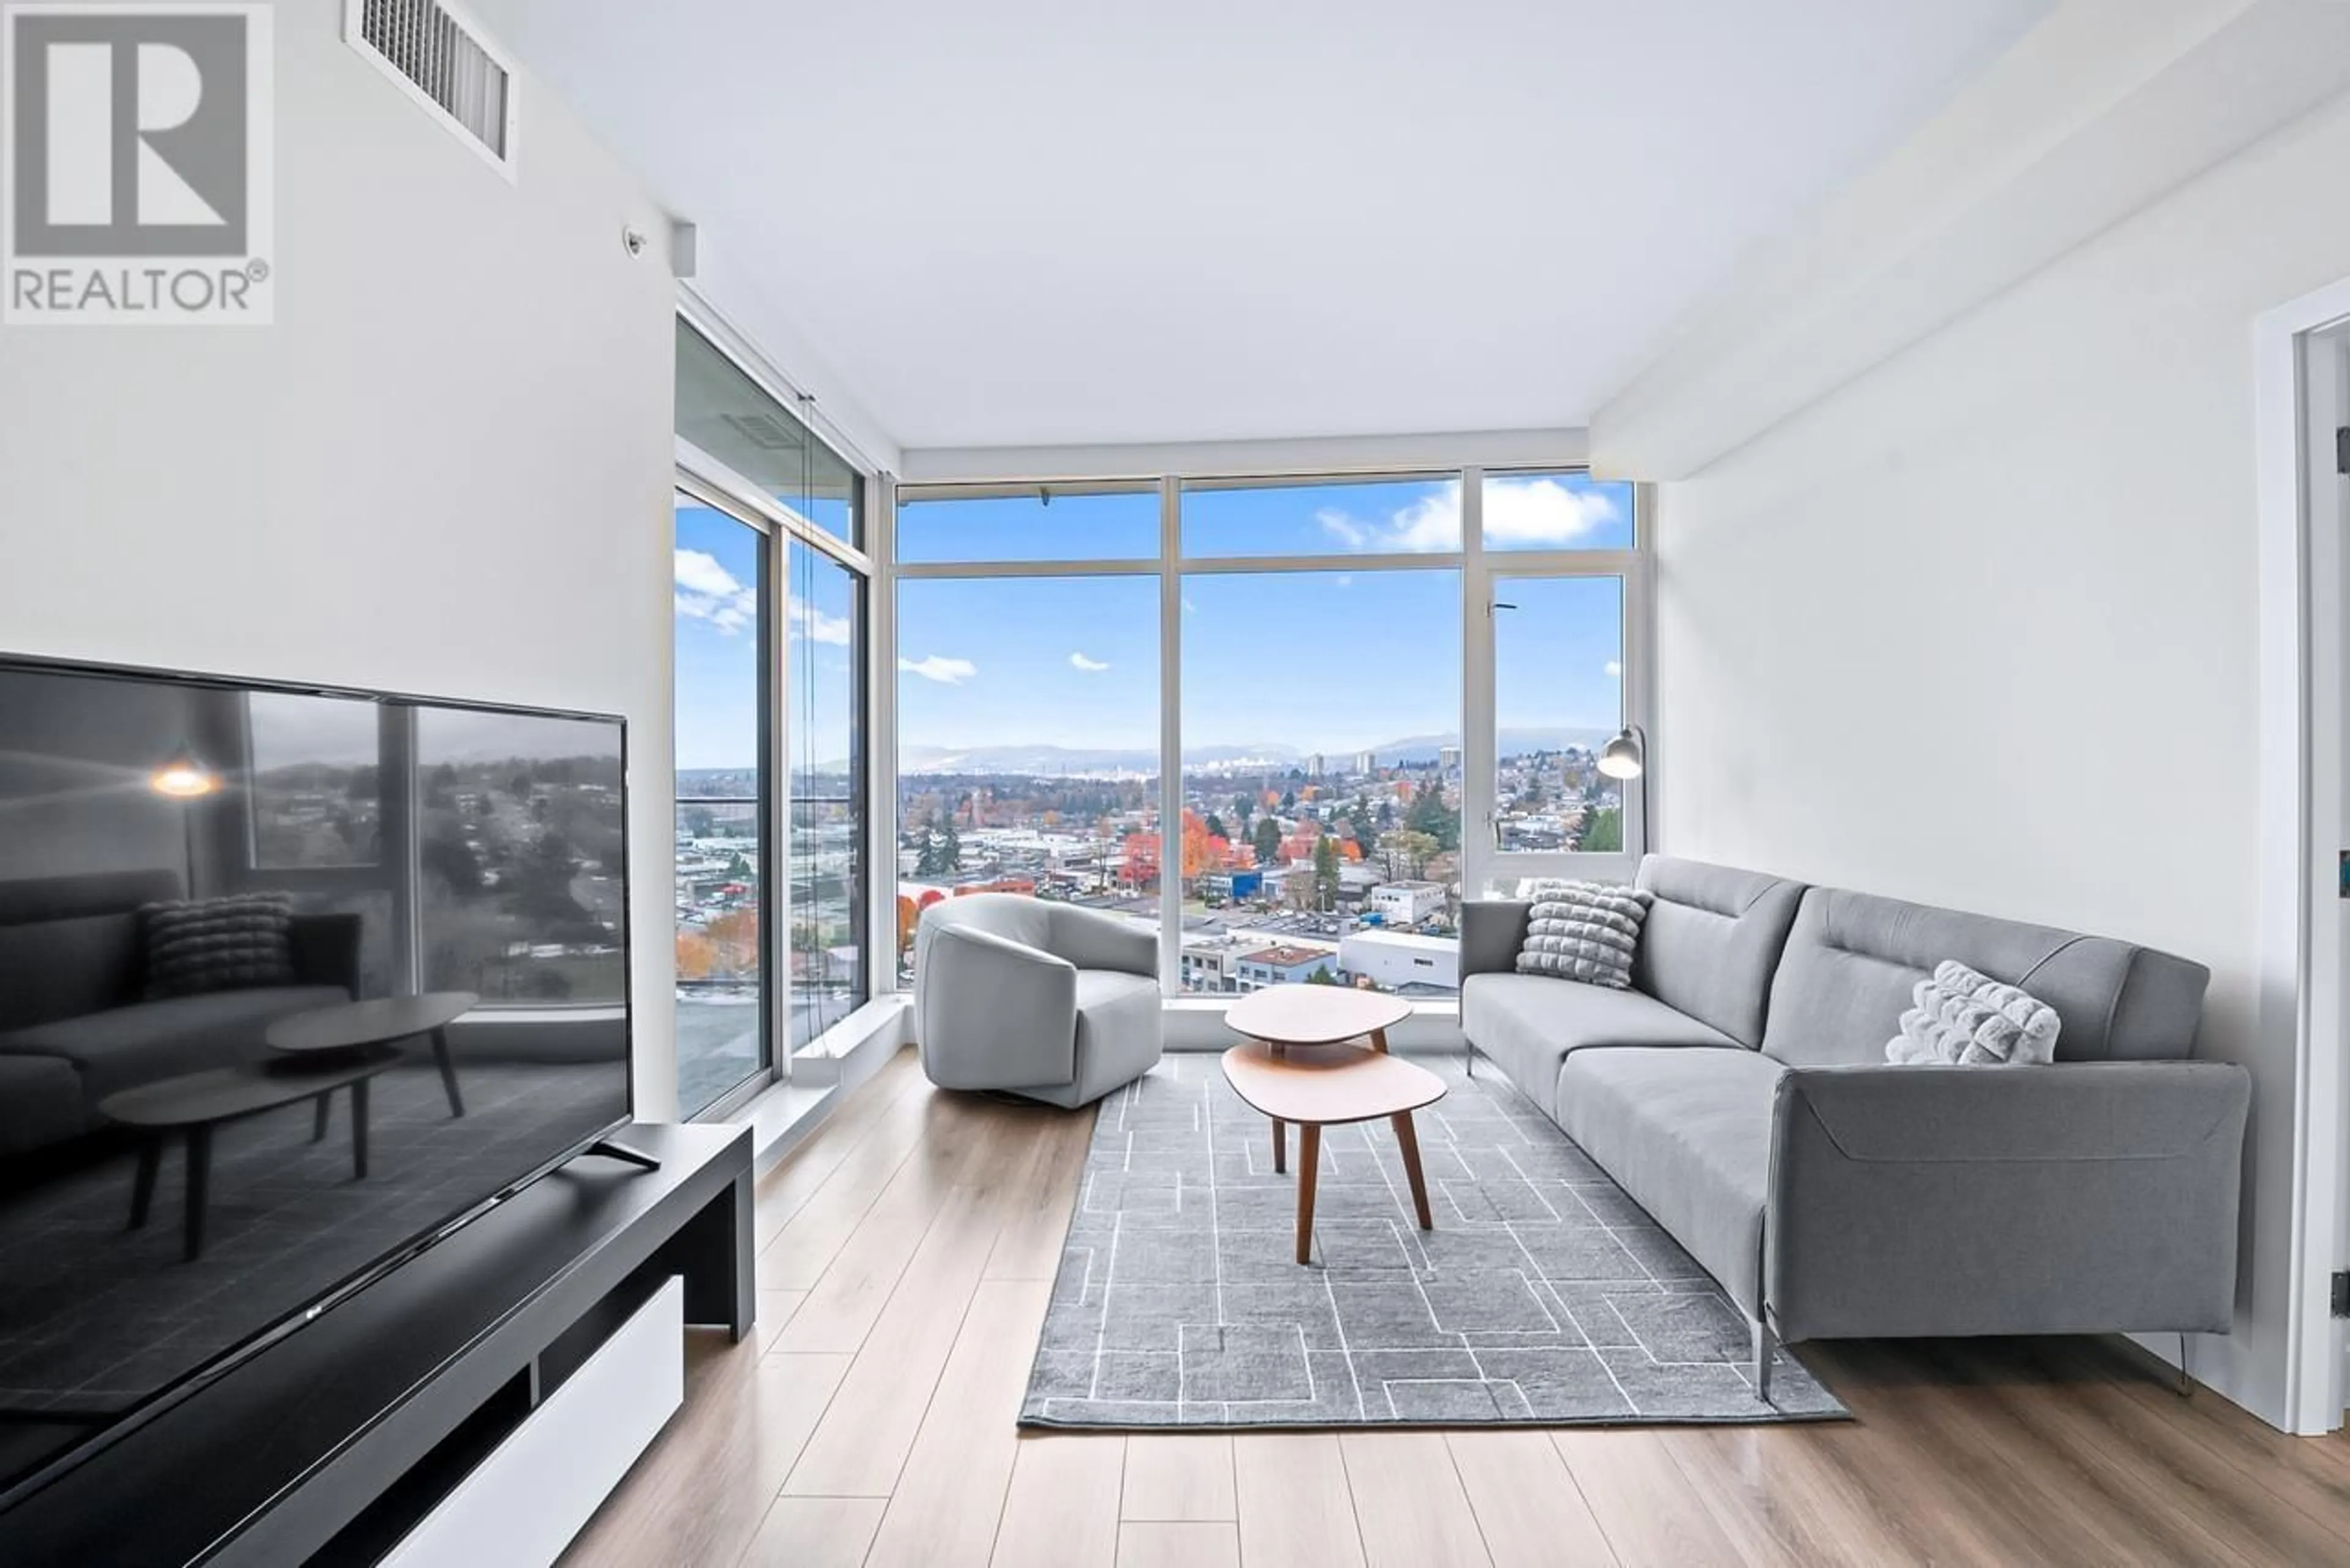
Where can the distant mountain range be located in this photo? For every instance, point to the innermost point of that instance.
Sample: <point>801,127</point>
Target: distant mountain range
<point>1050,760</point>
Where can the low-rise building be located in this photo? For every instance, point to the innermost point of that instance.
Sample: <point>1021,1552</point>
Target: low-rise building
<point>1210,964</point>
<point>1232,885</point>
<point>1406,903</point>
<point>1289,964</point>
<point>1402,960</point>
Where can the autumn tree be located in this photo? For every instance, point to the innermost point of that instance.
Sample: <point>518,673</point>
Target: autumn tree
<point>1405,853</point>
<point>1326,872</point>
<point>1430,815</point>
<point>734,940</point>
<point>1203,849</point>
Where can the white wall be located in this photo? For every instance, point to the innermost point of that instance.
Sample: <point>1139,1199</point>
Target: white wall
<point>1979,629</point>
<point>444,470</point>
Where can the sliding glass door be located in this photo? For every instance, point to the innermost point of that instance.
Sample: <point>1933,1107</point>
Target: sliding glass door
<point>722,702</point>
<point>825,739</point>
<point>774,865</point>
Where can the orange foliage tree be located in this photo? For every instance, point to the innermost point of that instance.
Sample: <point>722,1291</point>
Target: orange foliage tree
<point>733,939</point>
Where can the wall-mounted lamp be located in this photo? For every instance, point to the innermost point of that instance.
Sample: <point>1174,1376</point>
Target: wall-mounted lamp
<point>184,776</point>
<point>1625,756</point>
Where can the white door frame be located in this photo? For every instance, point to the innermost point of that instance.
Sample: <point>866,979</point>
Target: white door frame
<point>2301,798</point>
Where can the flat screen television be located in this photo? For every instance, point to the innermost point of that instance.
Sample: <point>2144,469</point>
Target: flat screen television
<point>292,982</point>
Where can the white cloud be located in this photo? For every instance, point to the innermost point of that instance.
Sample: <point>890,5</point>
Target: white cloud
<point>817,627</point>
<point>945,672</point>
<point>1345,579</point>
<point>1543,512</point>
<point>708,592</point>
<point>1090,666</point>
<point>698,572</point>
<point>1614,669</point>
<point>1189,608</point>
<point>1343,528</point>
<point>1518,513</point>
<point>1430,523</point>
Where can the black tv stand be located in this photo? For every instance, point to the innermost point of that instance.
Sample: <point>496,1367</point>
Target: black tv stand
<point>332,1445</point>
<point>621,1152</point>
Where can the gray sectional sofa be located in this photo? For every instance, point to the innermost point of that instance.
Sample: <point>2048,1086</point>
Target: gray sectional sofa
<point>1739,1093</point>
<point>75,1026</point>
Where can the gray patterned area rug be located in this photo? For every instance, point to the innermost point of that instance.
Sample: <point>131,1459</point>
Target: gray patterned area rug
<point>1544,1295</point>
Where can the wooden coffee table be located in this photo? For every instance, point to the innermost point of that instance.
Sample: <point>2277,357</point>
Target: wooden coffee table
<point>348,1028</point>
<point>1300,1065</point>
<point>195,1103</point>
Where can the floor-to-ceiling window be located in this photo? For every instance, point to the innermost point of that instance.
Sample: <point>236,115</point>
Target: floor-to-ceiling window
<point>1028,694</point>
<point>772,852</point>
<point>824,737</point>
<point>1559,653</point>
<point>1387,694</point>
<point>721,783</point>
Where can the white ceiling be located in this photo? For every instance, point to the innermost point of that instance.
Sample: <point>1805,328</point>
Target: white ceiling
<point>1037,222</point>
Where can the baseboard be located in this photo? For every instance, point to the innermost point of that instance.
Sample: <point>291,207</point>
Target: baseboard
<point>785,1116</point>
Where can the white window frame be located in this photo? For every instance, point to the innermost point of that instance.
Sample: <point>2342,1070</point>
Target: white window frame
<point>1483,861</point>
<point>718,485</point>
<point>1478,570</point>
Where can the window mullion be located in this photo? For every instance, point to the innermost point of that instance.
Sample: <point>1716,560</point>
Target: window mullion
<point>1171,738</point>
<point>1479,742</point>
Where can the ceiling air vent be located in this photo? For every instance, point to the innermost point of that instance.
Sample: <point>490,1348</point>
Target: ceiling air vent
<point>441,58</point>
<point>762,431</point>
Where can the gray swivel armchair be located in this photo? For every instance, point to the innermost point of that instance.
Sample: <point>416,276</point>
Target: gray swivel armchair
<point>1048,1000</point>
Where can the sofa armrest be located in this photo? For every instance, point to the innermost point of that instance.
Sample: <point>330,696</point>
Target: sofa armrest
<point>2078,1198</point>
<point>1491,932</point>
<point>327,950</point>
<point>1091,938</point>
<point>991,1012</point>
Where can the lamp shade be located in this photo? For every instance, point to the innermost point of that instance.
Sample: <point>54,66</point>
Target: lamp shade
<point>1625,756</point>
<point>183,776</point>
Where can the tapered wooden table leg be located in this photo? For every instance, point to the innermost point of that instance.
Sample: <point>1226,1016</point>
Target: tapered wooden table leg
<point>1309,1152</point>
<point>1279,1145</point>
<point>200,1172</point>
<point>142,1189</point>
<point>1409,1140</point>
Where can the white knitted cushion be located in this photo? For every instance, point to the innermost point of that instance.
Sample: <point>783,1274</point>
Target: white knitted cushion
<point>1584,931</point>
<point>1967,1018</point>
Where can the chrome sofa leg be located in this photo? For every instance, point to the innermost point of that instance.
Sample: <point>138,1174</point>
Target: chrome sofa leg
<point>2186,1383</point>
<point>1766,1346</point>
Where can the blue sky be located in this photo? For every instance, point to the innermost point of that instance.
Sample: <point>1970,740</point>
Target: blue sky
<point>716,599</point>
<point>1332,661</point>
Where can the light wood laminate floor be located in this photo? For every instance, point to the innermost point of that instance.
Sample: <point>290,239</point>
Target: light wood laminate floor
<point>906,1253</point>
